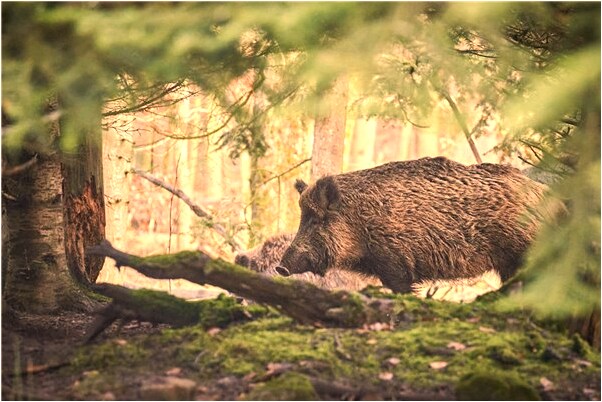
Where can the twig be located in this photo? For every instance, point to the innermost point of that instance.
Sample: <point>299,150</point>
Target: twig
<point>286,171</point>
<point>10,171</point>
<point>198,210</point>
<point>339,350</point>
<point>147,102</point>
<point>39,369</point>
<point>431,291</point>
<point>570,121</point>
<point>462,121</point>
<point>477,53</point>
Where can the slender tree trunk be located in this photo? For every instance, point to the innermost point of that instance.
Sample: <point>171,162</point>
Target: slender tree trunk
<point>118,151</point>
<point>329,133</point>
<point>258,201</point>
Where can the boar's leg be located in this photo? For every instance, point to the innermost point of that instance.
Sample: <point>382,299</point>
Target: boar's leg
<point>398,281</point>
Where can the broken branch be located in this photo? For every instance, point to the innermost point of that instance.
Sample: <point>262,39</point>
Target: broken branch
<point>197,209</point>
<point>300,300</point>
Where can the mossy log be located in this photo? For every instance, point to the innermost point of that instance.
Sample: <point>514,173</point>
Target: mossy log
<point>300,300</point>
<point>143,305</point>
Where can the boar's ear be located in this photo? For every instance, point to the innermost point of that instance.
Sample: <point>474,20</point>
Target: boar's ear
<point>300,185</point>
<point>328,194</point>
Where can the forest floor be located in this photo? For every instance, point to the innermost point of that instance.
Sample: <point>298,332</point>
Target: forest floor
<point>435,351</point>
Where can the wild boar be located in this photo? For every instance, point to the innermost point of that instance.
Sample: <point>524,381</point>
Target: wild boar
<point>416,221</point>
<point>265,257</point>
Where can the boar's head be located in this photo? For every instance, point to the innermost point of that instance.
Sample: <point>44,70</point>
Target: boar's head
<point>266,257</point>
<point>324,238</point>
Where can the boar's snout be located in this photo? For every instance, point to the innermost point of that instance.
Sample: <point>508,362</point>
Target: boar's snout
<point>295,262</point>
<point>283,271</point>
<point>242,260</point>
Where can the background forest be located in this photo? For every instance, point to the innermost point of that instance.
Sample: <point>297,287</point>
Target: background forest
<point>231,102</point>
<point>173,144</point>
<point>225,101</point>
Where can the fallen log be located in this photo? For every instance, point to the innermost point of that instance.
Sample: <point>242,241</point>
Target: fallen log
<point>300,300</point>
<point>142,305</point>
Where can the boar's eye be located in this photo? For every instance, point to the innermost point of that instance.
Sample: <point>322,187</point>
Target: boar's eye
<point>309,217</point>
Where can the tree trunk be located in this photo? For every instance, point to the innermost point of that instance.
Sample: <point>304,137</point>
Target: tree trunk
<point>362,144</point>
<point>387,142</point>
<point>258,201</point>
<point>36,275</point>
<point>329,133</point>
<point>54,209</point>
<point>118,150</point>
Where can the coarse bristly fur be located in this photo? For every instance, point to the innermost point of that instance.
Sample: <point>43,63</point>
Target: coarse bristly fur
<point>265,257</point>
<point>414,221</point>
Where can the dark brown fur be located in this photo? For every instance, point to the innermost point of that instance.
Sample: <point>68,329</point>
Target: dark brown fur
<point>266,257</point>
<point>415,221</point>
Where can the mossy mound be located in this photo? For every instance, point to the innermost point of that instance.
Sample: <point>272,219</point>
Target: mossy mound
<point>288,387</point>
<point>494,386</point>
<point>434,345</point>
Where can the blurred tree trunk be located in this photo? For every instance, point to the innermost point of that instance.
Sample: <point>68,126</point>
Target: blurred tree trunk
<point>259,212</point>
<point>329,133</point>
<point>362,144</point>
<point>387,146</point>
<point>54,210</point>
<point>118,150</point>
<point>588,146</point>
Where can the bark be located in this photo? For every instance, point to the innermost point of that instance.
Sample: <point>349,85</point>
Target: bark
<point>84,213</point>
<point>36,277</point>
<point>329,133</point>
<point>300,300</point>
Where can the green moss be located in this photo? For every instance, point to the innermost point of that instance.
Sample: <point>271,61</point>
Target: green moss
<point>580,346</point>
<point>244,349</point>
<point>165,304</point>
<point>109,354</point>
<point>354,308</point>
<point>494,386</point>
<point>504,353</point>
<point>220,312</point>
<point>492,342</point>
<point>289,386</point>
<point>223,265</point>
<point>170,259</point>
